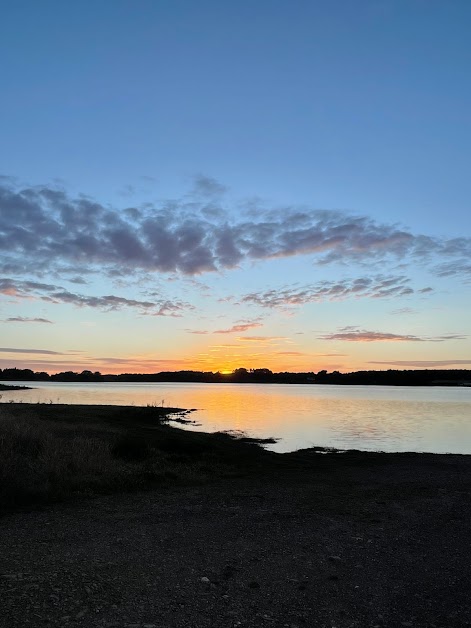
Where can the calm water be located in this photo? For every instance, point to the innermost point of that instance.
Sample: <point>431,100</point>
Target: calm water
<point>436,419</point>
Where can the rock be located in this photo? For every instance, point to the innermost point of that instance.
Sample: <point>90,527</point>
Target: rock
<point>205,580</point>
<point>335,559</point>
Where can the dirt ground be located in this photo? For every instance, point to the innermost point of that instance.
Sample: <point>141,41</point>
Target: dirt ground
<point>327,540</point>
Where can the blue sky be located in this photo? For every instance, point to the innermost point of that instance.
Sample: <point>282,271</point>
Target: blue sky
<point>219,184</point>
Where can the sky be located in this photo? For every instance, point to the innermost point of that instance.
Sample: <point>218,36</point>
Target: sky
<point>213,185</point>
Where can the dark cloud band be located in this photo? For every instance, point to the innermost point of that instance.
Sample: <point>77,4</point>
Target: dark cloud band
<point>43,229</point>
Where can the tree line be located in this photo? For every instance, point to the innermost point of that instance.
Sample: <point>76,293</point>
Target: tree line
<point>391,377</point>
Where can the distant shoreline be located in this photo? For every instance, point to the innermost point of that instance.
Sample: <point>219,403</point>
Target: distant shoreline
<point>343,379</point>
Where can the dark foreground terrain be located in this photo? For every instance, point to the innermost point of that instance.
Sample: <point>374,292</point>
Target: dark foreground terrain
<point>236,536</point>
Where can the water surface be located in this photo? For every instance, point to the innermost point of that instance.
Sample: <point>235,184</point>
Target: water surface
<point>433,419</point>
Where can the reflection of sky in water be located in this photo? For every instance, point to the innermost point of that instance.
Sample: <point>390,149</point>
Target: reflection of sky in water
<point>375,418</point>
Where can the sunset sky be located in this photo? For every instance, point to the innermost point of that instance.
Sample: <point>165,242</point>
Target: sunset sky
<point>211,185</point>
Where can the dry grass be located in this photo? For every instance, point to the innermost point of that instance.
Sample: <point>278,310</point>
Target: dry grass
<point>36,464</point>
<point>50,453</point>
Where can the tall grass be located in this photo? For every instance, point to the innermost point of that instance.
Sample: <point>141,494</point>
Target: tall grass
<point>50,453</point>
<point>39,463</point>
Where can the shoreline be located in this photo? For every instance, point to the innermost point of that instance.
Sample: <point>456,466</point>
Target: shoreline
<point>5,387</point>
<point>200,530</point>
<point>159,416</point>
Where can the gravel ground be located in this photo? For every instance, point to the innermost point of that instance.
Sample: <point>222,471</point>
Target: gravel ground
<point>382,540</point>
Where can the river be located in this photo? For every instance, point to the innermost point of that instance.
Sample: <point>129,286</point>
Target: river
<point>371,418</point>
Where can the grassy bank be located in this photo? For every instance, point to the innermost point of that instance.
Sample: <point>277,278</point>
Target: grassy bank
<point>53,452</point>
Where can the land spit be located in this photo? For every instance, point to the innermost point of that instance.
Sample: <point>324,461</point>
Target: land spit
<point>194,530</point>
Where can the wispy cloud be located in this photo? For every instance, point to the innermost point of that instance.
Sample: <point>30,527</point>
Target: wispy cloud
<point>26,319</point>
<point>39,351</point>
<point>261,338</point>
<point>241,327</point>
<point>54,362</point>
<point>331,355</point>
<point>207,187</point>
<point>45,228</point>
<point>403,310</point>
<point>376,287</point>
<point>290,353</point>
<point>351,334</point>
<point>461,268</point>
<point>422,363</point>
<point>56,294</point>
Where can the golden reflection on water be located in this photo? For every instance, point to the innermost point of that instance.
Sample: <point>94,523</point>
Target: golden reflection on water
<point>375,418</point>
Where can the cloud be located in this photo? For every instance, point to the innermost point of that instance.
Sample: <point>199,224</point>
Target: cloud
<point>44,229</point>
<point>422,363</point>
<point>331,355</point>
<point>77,280</point>
<point>175,309</point>
<point>404,310</point>
<point>370,336</point>
<point>57,295</point>
<point>290,353</point>
<point>23,289</point>
<point>461,268</point>
<point>78,363</point>
<point>127,191</point>
<point>239,328</point>
<point>376,287</point>
<point>351,334</point>
<point>108,302</point>
<point>207,186</point>
<point>39,351</point>
<point>260,338</point>
<point>26,319</point>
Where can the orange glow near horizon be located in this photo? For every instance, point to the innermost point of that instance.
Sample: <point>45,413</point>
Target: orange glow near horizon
<point>258,352</point>
<point>211,361</point>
